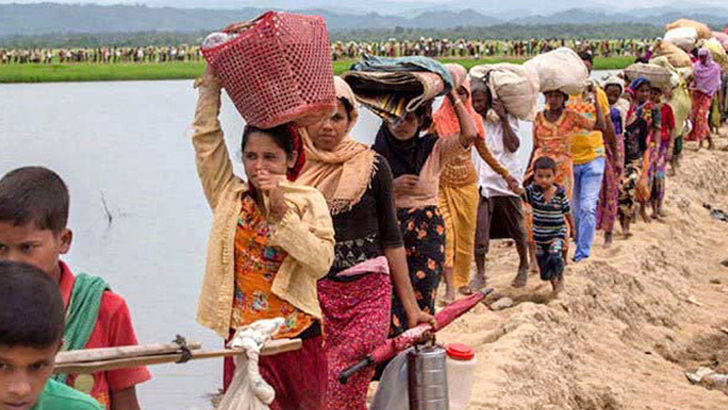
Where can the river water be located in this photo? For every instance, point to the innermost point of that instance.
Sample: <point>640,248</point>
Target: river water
<point>125,147</point>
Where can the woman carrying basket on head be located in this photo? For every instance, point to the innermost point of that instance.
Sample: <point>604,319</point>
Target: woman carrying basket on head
<point>271,240</point>
<point>356,294</point>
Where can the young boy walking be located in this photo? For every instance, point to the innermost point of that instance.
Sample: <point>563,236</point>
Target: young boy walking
<point>34,204</point>
<point>31,334</point>
<point>551,210</point>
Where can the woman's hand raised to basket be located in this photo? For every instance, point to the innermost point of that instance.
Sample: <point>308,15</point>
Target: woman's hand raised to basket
<point>210,78</point>
<point>468,131</point>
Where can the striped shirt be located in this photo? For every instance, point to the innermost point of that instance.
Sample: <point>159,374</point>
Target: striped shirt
<point>548,218</point>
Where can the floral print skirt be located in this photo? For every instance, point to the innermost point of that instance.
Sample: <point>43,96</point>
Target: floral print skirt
<point>423,231</point>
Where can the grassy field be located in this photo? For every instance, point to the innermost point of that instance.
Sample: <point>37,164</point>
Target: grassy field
<point>38,73</point>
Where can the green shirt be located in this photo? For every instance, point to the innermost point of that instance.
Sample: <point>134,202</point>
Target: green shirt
<point>57,396</point>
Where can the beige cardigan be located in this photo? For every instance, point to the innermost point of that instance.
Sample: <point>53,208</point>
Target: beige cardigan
<point>306,232</point>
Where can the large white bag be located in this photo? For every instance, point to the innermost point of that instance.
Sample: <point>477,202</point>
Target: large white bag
<point>683,37</point>
<point>560,70</point>
<point>515,86</point>
<point>702,30</point>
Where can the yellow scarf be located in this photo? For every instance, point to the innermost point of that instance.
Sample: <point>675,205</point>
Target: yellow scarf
<point>341,175</point>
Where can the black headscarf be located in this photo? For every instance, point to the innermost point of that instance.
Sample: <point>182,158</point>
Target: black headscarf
<point>404,157</point>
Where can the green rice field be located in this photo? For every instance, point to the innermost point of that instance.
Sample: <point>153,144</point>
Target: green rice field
<point>40,73</point>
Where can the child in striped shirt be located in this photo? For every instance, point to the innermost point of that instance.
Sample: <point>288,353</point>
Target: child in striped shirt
<point>551,212</point>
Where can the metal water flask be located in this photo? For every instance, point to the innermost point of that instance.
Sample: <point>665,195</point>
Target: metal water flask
<point>427,378</point>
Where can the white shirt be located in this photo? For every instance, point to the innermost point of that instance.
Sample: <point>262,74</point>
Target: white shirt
<point>491,184</point>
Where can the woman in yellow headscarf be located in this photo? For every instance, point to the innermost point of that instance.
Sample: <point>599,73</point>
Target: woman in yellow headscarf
<point>356,294</point>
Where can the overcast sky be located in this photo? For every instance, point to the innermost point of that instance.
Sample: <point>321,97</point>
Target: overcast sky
<point>537,4</point>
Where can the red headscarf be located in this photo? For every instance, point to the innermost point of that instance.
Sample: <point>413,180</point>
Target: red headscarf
<point>445,119</point>
<point>292,173</point>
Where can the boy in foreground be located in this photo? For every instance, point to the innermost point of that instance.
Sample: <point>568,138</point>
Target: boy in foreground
<point>31,333</point>
<point>551,210</point>
<point>34,204</point>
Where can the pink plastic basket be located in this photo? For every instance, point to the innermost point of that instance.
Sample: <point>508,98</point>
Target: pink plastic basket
<point>278,69</point>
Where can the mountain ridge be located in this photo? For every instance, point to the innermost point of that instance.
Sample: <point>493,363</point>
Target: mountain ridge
<point>48,18</point>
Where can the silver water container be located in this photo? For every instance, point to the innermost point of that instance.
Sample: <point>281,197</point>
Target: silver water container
<point>427,378</point>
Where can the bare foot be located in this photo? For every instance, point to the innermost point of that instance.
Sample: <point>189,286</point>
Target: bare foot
<point>558,285</point>
<point>477,283</point>
<point>465,290</point>
<point>448,299</point>
<point>521,278</point>
<point>643,214</point>
<point>608,239</point>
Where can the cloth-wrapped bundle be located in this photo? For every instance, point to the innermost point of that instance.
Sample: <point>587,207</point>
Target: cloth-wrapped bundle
<point>392,87</point>
<point>249,391</point>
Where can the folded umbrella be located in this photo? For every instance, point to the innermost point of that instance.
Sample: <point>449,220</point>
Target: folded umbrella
<point>392,347</point>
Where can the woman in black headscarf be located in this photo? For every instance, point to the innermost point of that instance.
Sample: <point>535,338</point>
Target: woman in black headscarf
<point>416,161</point>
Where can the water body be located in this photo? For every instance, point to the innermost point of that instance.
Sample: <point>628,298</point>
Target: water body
<point>125,147</point>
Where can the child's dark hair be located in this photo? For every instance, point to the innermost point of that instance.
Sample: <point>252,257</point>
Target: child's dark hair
<point>287,138</point>
<point>545,163</point>
<point>31,307</point>
<point>34,194</point>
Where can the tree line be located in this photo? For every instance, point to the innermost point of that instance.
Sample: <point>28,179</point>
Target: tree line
<point>497,32</point>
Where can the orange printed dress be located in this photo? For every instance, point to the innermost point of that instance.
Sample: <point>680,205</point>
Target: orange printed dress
<point>553,139</point>
<point>256,265</point>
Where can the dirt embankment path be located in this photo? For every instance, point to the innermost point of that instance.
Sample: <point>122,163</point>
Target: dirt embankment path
<point>633,318</point>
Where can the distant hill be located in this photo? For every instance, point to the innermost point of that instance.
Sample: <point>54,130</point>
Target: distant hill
<point>35,19</point>
<point>657,16</point>
<point>49,18</point>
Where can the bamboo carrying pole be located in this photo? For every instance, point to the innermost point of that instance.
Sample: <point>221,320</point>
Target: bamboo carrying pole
<point>64,365</point>
<point>120,352</point>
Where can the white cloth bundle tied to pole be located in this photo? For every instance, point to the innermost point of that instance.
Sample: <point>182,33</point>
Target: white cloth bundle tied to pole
<point>248,390</point>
